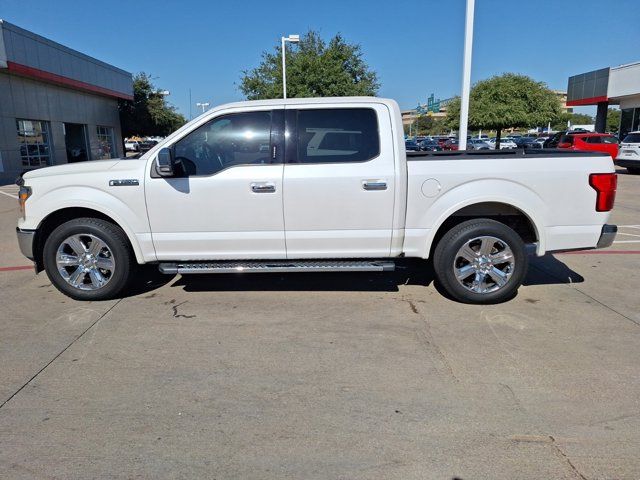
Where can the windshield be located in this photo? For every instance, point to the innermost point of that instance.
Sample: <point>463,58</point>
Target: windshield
<point>632,138</point>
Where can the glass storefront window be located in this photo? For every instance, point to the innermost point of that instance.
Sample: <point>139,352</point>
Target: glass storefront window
<point>626,121</point>
<point>106,146</point>
<point>35,143</point>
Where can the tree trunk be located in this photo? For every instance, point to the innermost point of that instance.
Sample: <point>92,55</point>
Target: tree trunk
<point>498,132</point>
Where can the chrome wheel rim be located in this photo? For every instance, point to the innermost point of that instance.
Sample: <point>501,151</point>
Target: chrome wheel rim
<point>85,262</point>
<point>484,264</point>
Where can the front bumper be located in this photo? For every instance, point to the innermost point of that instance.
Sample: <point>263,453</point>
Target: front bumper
<point>25,242</point>
<point>607,236</point>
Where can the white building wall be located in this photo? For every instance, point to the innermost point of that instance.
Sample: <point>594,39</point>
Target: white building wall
<point>624,81</point>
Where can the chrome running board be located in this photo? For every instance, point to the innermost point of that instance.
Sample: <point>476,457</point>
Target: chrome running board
<point>277,266</point>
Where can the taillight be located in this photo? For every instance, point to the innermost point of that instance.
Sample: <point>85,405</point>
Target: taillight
<point>605,185</point>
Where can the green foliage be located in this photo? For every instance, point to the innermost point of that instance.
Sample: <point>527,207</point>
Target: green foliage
<point>613,120</point>
<point>148,114</point>
<point>508,100</point>
<point>575,118</point>
<point>427,125</point>
<point>314,69</point>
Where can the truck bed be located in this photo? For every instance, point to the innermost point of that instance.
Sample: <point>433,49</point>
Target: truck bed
<point>515,153</point>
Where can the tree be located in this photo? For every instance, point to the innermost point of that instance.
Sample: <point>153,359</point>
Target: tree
<point>148,114</point>
<point>427,125</point>
<point>314,69</point>
<point>504,101</point>
<point>573,118</point>
<point>613,120</point>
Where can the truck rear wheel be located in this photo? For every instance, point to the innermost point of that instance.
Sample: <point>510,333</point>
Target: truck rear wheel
<point>88,259</point>
<point>480,261</point>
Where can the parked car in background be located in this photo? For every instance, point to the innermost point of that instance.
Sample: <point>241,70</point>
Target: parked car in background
<point>429,145</point>
<point>477,144</point>
<point>552,142</point>
<point>451,144</point>
<point>591,142</point>
<point>629,153</point>
<point>132,146</point>
<point>411,145</point>
<point>527,142</point>
<point>505,144</point>
<point>147,145</point>
<point>441,141</point>
<point>541,141</point>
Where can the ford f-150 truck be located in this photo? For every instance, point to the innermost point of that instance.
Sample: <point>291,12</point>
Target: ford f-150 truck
<point>311,185</point>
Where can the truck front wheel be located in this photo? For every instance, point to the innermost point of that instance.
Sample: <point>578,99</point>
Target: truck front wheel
<point>88,259</point>
<point>480,261</point>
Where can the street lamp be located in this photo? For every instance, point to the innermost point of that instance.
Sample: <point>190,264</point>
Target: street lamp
<point>292,39</point>
<point>466,76</point>
<point>163,93</point>
<point>204,105</point>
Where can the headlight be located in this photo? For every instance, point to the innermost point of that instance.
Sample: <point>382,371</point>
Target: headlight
<point>23,194</point>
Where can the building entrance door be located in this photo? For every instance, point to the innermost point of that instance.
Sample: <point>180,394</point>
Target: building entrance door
<point>75,139</point>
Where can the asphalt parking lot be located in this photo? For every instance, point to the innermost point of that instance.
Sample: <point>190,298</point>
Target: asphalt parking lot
<point>348,376</point>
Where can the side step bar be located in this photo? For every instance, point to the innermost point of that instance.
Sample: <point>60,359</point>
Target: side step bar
<point>277,266</point>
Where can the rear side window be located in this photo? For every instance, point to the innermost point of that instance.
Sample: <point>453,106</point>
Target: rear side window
<point>567,139</point>
<point>632,138</point>
<point>609,139</point>
<point>337,135</point>
<point>593,140</point>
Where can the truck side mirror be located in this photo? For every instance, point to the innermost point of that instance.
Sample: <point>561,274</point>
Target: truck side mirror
<point>165,164</point>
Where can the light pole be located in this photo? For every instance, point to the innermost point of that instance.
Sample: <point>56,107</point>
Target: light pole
<point>204,105</point>
<point>466,76</point>
<point>292,39</point>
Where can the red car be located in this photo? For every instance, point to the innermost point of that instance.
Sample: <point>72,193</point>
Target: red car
<point>594,142</point>
<point>451,144</point>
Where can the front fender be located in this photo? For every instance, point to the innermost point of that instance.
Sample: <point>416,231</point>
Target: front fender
<point>127,210</point>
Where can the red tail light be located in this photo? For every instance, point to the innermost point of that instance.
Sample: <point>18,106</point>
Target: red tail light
<point>605,185</point>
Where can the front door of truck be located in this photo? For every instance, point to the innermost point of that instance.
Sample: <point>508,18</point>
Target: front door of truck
<point>226,203</point>
<point>339,181</point>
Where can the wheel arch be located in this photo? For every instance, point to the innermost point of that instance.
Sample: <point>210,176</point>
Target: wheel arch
<point>505,212</point>
<point>57,217</point>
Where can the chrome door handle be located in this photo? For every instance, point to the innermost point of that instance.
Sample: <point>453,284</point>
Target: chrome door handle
<point>263,187</point>
<point>373,185</point>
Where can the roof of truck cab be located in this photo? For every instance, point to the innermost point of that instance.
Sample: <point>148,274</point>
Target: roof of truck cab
<point>299,101</point>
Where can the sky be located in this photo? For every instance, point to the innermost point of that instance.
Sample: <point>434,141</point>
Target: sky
<point>415,47</point>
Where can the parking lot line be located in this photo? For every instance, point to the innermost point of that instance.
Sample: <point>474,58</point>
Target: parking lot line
<point>13,269</point>
<point>8,194</point>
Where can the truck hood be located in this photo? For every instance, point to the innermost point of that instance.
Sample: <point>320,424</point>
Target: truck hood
<point>93,166</point>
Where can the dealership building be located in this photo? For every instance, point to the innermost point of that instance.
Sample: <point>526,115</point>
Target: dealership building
<point>57,105</point>
<point>609,86</point>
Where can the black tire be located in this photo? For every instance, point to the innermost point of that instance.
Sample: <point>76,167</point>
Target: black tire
<point>117,246</point>
<point>633,171</point>
<point>446,260</point>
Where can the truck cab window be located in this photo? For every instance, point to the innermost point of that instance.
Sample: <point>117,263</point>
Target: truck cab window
<point>336,135</point>
<point>226,141</point>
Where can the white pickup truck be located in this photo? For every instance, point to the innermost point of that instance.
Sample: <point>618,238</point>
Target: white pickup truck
<point>311,185</point>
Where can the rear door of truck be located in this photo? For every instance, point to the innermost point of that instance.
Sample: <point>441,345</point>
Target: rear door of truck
<point>339,180</point>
